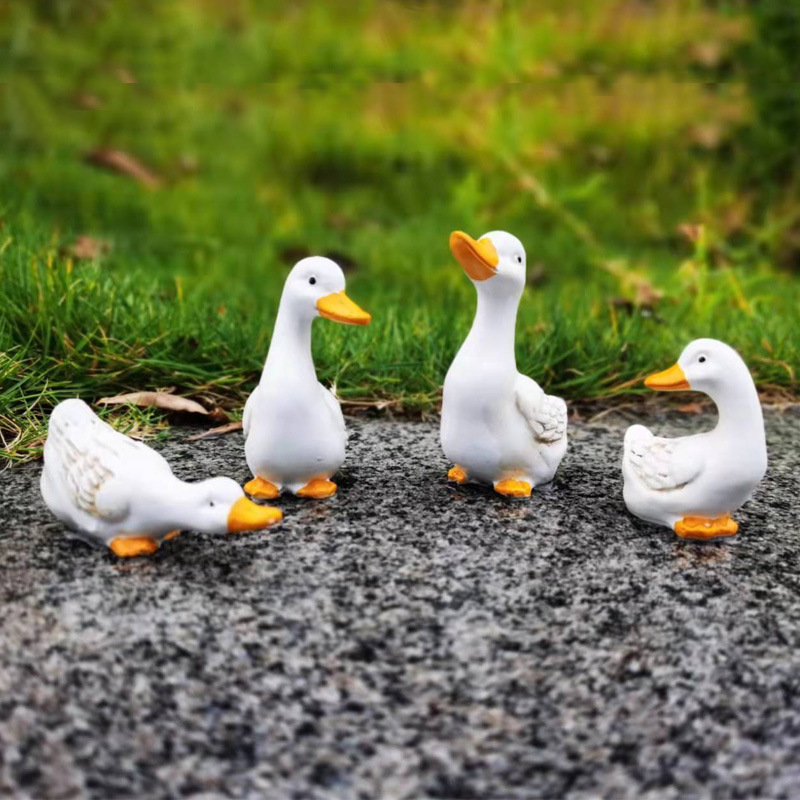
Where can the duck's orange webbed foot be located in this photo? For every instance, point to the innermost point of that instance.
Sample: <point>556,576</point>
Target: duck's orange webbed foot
<point>136,546</point>
<point>512,488</point>
<point>706,528</point>
<point>260,489</point>
<point>457,474</point>
<point>318,489</point>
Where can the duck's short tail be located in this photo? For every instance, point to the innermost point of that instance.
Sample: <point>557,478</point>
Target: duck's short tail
<point>636,437</point>
<point>637,434</point>
<point>68,413</point>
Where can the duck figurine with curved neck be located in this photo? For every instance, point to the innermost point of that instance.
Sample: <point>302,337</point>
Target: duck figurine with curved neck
<point>693,484</point>
<point>117,492</point>
<point>498,426</point>
<point>294,430</point>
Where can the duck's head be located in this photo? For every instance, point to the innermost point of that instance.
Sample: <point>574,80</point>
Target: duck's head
<point>220,506</point>
<point>315,287</point>
<point>705,365</point>
<point>494,263</point>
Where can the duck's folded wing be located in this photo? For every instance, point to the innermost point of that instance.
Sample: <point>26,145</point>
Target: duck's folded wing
<point>546,415</point>
<point>91,461</point>
<point>660,464</point>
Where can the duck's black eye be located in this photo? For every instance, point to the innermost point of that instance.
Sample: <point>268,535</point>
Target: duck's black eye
<point>211,504</point>
<point>702,359</point>
<point>312,281</point>
<point>519,259</point>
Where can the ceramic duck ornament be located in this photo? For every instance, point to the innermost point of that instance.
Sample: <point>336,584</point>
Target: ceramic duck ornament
<point>117,492</point>
<point>498,426</point>
<point>294,429</point>
<point>693,484</point>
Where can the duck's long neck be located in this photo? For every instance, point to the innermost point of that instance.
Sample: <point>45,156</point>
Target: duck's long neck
<point>188,509</point>
<point>740,416</point>
<point>493,330</point>
<point>173,505</point>
<point>290,348</point>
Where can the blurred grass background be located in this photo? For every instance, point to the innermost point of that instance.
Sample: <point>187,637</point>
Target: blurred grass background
<point>165,162</point>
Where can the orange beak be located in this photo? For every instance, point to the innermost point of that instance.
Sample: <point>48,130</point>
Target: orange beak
<point>670,380</point>
<point>479,259</point>
<point>340,308</point>
<point>245,515</point>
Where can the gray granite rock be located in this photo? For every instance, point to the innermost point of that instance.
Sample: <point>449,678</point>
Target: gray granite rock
<point>409,638</point>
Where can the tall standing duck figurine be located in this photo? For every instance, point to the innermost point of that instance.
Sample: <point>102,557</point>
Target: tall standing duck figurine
<point>294,429</point>
<point>498,426</point>
<point>693,484</point>
<point>117,492</point>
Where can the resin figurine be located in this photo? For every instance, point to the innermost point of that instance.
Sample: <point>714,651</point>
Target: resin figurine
<point>498,426</point>
<point>294,429</point>
<point>114,491</point>
<point>693,484</point>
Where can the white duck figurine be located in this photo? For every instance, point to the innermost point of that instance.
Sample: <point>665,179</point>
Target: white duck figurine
<point>692,484</point>
<point>112,490</point>
<point>498,426</point>
<point>294,430</point>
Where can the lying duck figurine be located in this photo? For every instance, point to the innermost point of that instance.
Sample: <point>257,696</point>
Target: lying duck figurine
<point>692,484</point>
<point>498,426</point>
<point>294,429</point>
<point>114,491</point>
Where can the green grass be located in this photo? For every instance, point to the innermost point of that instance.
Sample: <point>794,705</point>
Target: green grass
<point>370,131</point>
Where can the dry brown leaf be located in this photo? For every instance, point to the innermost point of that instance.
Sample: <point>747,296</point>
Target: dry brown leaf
<point>88,248</point>
<point>124,164</point>
<point>163,400</point>
<point>87,101</point>
<point>222,430</point>
<point>218,414</point>
<point>708,53</point>
<point>708,135</point>
<point>647,294</point>
<point>692,408</point>
<point>543,152</point>
<point>544,69</point>
<point>692,233</point>
<point>124,75</point>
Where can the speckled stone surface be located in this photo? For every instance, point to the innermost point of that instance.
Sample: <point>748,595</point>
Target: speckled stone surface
<point>409,639</point>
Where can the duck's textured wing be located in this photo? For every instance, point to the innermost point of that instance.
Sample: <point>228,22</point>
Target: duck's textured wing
<point>89,459</point>
<point>660,464</point>
<point>546,415</point>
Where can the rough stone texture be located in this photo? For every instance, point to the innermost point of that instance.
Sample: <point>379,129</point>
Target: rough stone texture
<point>409,639</point>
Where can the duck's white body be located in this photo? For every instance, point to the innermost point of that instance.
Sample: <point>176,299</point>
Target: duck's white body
<point>294,427</point>
<point>107,487</point>
<point>706,477</point>
<point>497,424</point>
<point>295,434</point>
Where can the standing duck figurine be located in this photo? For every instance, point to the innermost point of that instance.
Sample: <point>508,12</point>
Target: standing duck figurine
<point>693,484</point>
<point>498,426</point>
<point>117,492</point>
<point>294,429</point>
